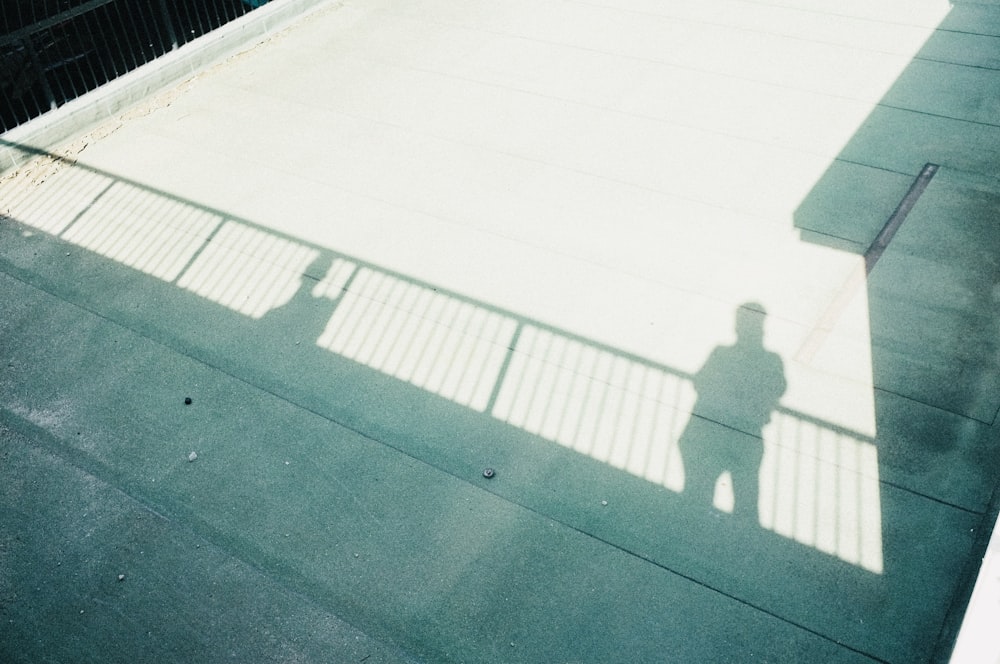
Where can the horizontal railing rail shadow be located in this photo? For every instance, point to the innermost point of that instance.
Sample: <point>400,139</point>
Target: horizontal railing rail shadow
<point>819,482</point>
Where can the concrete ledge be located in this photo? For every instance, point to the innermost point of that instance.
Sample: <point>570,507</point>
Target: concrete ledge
<point>84,112</point>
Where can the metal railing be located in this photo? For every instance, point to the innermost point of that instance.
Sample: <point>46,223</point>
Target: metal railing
<point>53,51</point>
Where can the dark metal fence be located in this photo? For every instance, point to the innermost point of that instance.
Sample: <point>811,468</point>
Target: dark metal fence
<point>52,51</point>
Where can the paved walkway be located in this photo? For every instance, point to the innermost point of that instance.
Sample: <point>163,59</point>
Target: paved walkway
<point>556,331</point>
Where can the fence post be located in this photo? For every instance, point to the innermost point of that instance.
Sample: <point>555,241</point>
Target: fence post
<point>40,71</point>
<point>171,35</point>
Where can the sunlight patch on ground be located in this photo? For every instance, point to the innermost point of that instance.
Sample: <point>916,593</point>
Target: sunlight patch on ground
<point>52,203</point>
<point>411,332</point>
<point>155,235</point>
<point>614,409</point>
<point>248,270</point>
<point>819,486</point>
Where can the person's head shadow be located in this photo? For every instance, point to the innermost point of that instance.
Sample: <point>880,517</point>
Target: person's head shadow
<point>304,316</point>
<point>722,447</point>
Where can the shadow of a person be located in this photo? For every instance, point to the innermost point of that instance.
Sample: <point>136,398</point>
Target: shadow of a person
<point>739,387</point>
<point>303,318</point>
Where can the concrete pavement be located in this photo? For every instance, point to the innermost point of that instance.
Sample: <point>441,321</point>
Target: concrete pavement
<point>401,243</point>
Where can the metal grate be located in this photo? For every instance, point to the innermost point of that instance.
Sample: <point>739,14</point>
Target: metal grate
<point>52,51</point>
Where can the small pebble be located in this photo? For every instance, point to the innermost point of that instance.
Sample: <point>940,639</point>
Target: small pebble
<point>488,473</point>
<point>121,577</point>
<point>192,456</point>
<point>604,502</point>
<point>187,401</point>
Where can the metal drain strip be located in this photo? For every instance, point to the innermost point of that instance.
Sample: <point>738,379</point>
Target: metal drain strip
<point>858,277</point>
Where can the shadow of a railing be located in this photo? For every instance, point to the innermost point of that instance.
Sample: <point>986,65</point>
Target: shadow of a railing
<point>819,482</point>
